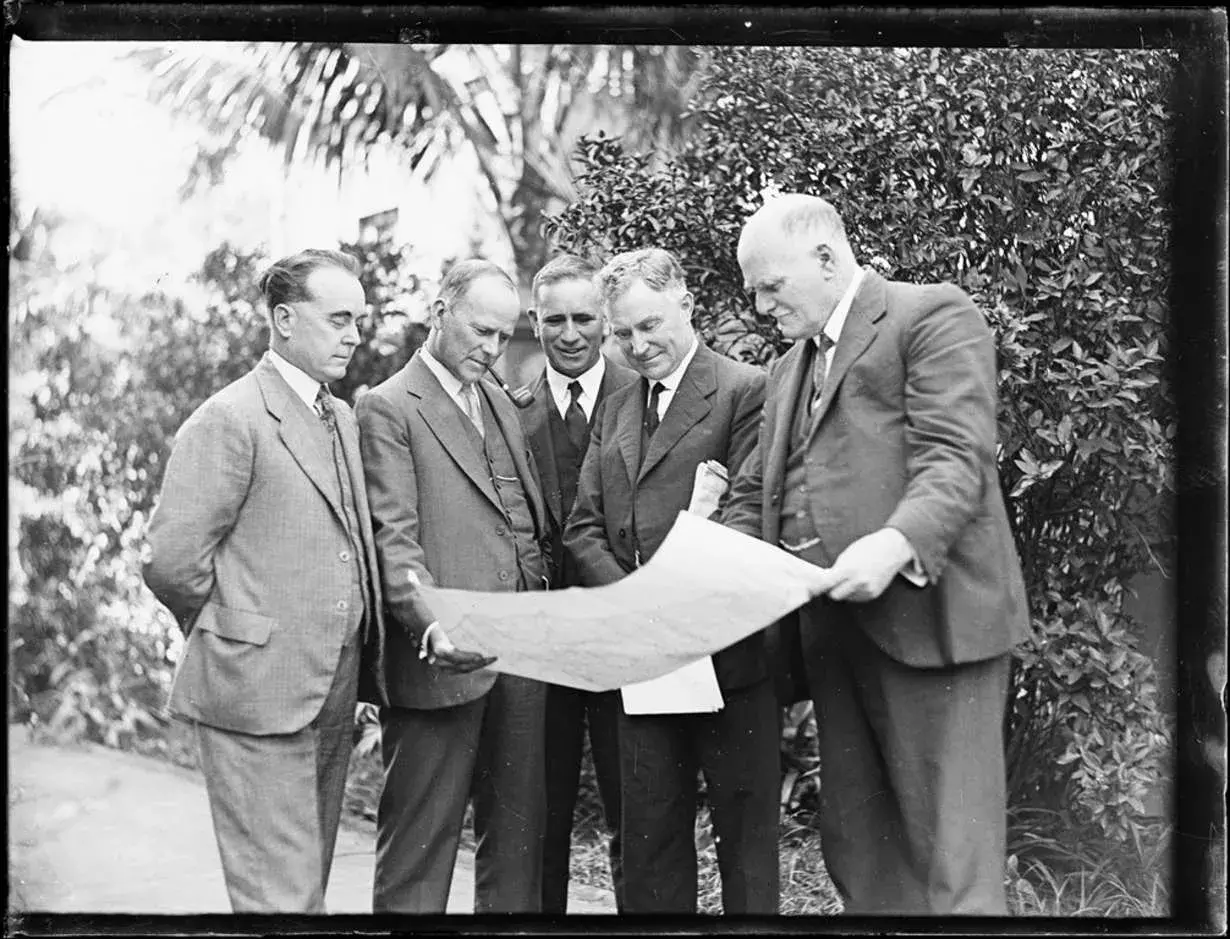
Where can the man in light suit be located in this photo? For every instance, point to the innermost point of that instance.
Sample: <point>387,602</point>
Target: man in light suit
<point>876,458</point>
<point>262,548</point>
<point>692,405</point>
<point>568,321</point>
<point>456,502</point>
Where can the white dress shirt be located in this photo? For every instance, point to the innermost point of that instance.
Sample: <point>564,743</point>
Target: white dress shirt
<point>913,570</point>
<point>591,381</point>
<point>670,384</point>
<point>301,383</point>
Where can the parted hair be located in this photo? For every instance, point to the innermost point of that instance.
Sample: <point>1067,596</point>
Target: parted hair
<point>561,268</point>
<point>285,280</point>
<point>656,267</point>
<point>462,275</point>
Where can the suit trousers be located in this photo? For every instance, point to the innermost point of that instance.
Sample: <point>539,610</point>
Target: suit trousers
<point>277,800</point>
<point>569,710</point>
<point>490,750</point>
<point>738,751</point>
<point>913,797</point>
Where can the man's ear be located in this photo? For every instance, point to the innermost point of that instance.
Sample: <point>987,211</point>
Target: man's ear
<point>535,326</point>
<point>687,304</point>
<point>283,319</point>
<point>437,309</point>
<point>826,258</point>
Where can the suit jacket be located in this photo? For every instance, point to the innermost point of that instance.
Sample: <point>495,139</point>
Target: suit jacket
<point>903,436</point>
<point>537,429</point>
<point>626,505</point>
<point>437,519</point>
<point>250,553</point>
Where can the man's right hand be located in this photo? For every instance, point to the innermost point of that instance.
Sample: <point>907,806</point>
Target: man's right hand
<point>442,653</point>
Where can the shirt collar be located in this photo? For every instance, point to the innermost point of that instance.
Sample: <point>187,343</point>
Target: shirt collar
<point>450,382</point>
<point>671,381</point>
<point>301,383</point>
<point>591,381</point>
<point>837,320</point>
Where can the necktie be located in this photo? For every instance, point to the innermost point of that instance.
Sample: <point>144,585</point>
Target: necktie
<point>574,417</point>
<point>324,409</point>
<point>470,396</point>
<point>651,410</point>
<point>819,370</point>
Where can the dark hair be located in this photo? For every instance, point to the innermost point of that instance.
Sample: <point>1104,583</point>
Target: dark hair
<point>561,268</point>
<point>285,281</point>
<point>461,276</point>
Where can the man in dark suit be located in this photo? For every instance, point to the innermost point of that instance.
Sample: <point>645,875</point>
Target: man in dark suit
<point>262,548</point>
<point>692,405</point>
<point>876,458</point>
<point>568,322</point>
<point>456,502</point>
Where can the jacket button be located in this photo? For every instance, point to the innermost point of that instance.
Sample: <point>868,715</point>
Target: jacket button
<point>623,533</point>
<point>499,529</point>
<point>344,555</point>
<point>503,575</point>
<point>341,604</point>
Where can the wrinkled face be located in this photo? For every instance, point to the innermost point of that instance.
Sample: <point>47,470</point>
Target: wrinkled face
<point>653,329</point>
<point>569,324</point>
<point>474,332</point>
<point>319,335</point>
<point>791,279</point>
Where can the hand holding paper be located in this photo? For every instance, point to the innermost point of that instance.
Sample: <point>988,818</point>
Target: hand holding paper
<point>708,487</point>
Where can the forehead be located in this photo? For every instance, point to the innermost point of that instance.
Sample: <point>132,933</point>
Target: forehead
<point>575,294</point>
<point>334,289</point>
<point>639,302</point>
<point>769,254</point>
<point>490,302</point>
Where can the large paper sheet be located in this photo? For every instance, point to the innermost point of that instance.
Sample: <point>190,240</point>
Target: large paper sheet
<point>692,689</point>
<point>705,588</point>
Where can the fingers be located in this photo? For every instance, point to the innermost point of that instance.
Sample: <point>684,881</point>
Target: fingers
<point>458,660</point>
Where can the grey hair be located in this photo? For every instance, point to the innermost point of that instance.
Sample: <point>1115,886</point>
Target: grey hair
<point>798,214</point>
<point>656,267</point>
<point>561,268</point>
<point>463,275</point>
<point>285,280</point>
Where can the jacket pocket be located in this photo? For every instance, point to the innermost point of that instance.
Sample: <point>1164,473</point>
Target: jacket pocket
<point>238,625</point>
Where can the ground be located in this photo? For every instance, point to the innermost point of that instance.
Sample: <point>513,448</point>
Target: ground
<point>97,830</point>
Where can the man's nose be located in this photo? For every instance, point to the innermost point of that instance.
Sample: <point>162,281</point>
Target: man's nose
<point>639,345</point>
<point>351,336</point>
<point>570,333</point>
<point>763,305</point>
<point>491,347</point>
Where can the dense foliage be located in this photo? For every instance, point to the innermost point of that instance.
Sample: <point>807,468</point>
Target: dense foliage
<point>1035,179</point>
<point>100,381</point>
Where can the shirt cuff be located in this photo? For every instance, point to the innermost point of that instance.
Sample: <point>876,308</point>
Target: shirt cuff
<point>423,647</point>
<point>913,570</point>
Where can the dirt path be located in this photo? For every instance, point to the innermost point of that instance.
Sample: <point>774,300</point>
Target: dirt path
<point>95,830</point>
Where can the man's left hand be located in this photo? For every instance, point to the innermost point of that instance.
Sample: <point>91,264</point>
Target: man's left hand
<point>865,569</point>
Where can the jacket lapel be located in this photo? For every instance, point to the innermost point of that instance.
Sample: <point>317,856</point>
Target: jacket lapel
<point>857,334</point>
<point>538,430</point>
<point>689,406</point>
<point>298,434</point>
<point>787,396</point>
<point>510,427</point>
<point>628,428</point>
<point>444,418</point>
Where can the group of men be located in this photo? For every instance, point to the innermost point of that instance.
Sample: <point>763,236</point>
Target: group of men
<point>292,537</point>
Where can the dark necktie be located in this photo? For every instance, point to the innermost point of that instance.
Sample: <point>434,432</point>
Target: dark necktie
<point>651,410</point>
<point>574,417</point>
<point>819,370</point>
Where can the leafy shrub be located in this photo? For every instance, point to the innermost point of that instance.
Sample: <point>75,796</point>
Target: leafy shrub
<point>1035,179</point>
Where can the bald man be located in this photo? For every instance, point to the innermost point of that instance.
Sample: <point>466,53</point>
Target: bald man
<point>876,458</point>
